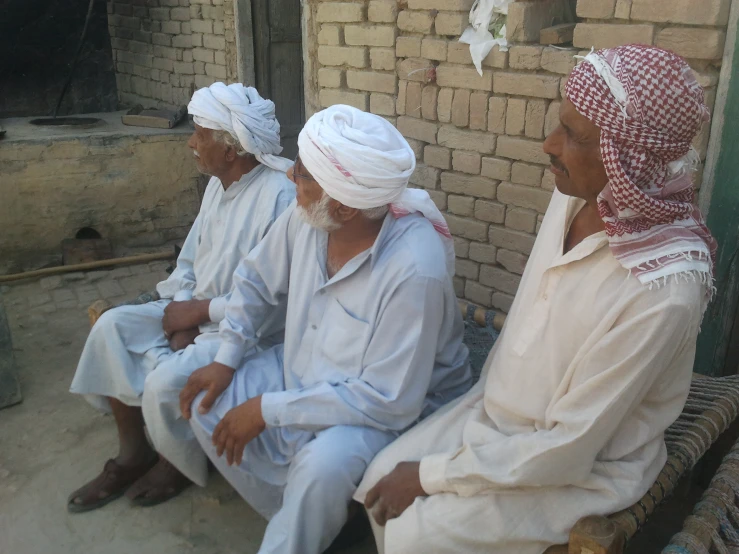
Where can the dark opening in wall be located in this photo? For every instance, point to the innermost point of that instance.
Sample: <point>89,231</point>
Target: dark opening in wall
<point>87,233</point>
<point>38,40</point>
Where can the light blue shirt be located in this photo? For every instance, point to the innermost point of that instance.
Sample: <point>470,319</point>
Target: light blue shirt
<point>379,344</point>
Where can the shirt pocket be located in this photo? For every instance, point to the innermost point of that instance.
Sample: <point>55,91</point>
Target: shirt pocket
<point>342,340</point>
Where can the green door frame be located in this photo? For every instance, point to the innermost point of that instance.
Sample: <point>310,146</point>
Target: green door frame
<point>717,353</point>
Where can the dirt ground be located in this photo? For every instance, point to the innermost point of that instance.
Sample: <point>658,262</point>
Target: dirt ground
<point>55,441</point>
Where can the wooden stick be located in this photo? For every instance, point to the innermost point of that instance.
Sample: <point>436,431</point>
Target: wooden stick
<point>141,258</point>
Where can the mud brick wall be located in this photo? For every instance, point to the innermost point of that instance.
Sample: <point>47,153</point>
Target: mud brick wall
<point>165,49</point>
<point>478,139</point>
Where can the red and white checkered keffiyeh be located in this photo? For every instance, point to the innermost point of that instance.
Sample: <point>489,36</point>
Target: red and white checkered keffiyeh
<point>649,107</point>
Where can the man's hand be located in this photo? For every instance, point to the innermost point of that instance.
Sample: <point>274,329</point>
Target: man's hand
<point>214,378</point>
<point>237,428</point>
<point>182,339</point>
<point>395,492</point>
<point>181,316</point>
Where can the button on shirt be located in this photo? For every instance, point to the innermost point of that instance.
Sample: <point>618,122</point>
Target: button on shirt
<point>378,344</point>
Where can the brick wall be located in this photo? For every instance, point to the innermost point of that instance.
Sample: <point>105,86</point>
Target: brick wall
<point>165,49</point>
<point>478,140</point>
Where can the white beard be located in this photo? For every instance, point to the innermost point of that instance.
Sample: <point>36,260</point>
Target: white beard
<point>317,215</point>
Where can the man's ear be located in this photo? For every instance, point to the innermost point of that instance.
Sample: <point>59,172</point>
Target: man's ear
<point>342,213</point>
<point>230,154</point>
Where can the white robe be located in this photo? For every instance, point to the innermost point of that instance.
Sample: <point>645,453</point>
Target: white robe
<point>366,353</point>
<point>569,416</point>
<point>127,356</point>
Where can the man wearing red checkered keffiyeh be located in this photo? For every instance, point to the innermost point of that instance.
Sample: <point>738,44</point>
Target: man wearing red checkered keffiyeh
<point>595,360</point>
<point>649,107</point>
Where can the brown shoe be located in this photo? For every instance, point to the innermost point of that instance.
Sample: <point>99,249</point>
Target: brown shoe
<point>161,482</point>
<point>106,487</point>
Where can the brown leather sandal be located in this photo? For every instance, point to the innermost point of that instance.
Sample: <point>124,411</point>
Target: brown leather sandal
<point>163,482</point>
<point>112,482</point>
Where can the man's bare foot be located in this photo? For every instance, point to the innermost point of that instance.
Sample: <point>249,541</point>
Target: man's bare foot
<point>162,482</point>
<point>109,485</point>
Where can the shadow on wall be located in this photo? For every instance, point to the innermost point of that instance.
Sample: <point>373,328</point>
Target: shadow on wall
<point>38,39</point>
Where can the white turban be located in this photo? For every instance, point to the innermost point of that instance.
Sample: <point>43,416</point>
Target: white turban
<point>245,115</point>
<point>362,161</point>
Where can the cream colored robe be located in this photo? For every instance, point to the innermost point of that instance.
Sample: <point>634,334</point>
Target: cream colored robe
<point>568,418</point>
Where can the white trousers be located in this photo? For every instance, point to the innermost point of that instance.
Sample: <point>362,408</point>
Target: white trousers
<point>128,358</point>
<point>301,481</point>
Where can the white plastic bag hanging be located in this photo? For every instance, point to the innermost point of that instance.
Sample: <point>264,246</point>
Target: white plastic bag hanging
<point>487,29</point>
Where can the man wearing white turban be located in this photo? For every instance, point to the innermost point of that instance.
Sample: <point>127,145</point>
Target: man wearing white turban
<point>373,338</point>
<point>137,358</point>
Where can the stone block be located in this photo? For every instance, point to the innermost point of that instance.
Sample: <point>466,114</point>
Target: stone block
<point>214,42</point>
<point>557,34</point>
<point>521,219</point>
<point>429,97</point>
<point>526,19</point>
<point>450,5</point>
<point>477,293</point>
<point>444,105</point>
<point>329,35</point>
<point>479,111</point>
<point>341,12</point>
<point>437,156</point>
<point>414,69</point>
<point>461,108</point>
<point>502,301</point>
<point>483,253</point>
<point>382,11</point>
<point>434,49</point>
<point>461,247</point>
<point>182,41</point>
<point>524,197</point>
<point>515,262</point>
<point>466,162</point>
<point>461,205</point>
<point>214,70</point>
<point>458,52</point>
<point>342,55</point>
<point>466,268</point>
<point>160,14</point>
<point>382,104</point>
<point>525,57</point>
<point>329,97</point>
<point>596,9</point>
<point>415,21</point>
<point>371,81</point>
<point>499,279</point>
<point>183,68</point>
<point>497,108</point>
<point>408,47</point>
<point>476,141</point>
<point>197,39</point>
<point>536,111</point>
<point>526,174</point>
<point>599,35</point>
<point>180,14</point>
<point>417,146</point>
<point>203,55</point>
<point>515,116</point>
<point>689,12</point>
<point>369,35</point>
<point>623,9</point>
<point>702,44</point>
<point>557,60</point>
<point>496,168</point>
<point>330,78</point>
<point>161,39</point>
<point>457,76</point>
<point>526,84</point>
<point>439,198</point>
<point>417,129</point>
<point>401,100</point>
<point>382,58</point>
<point>458,183</point>
<point>414,100</point>
<point>511,240</point>
<point>491,212</point>
<point>526,150</point>
<point>547,181</point>
<point>451,23</point>
<point>467,228</point>
<point>425,177</point>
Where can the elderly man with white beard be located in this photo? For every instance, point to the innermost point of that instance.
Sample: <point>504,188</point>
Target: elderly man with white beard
<point>373,337</point>
<point>141,356</point>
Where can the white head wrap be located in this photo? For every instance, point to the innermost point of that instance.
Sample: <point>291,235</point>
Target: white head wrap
<point>248,117</point>
<point>362,161</point>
